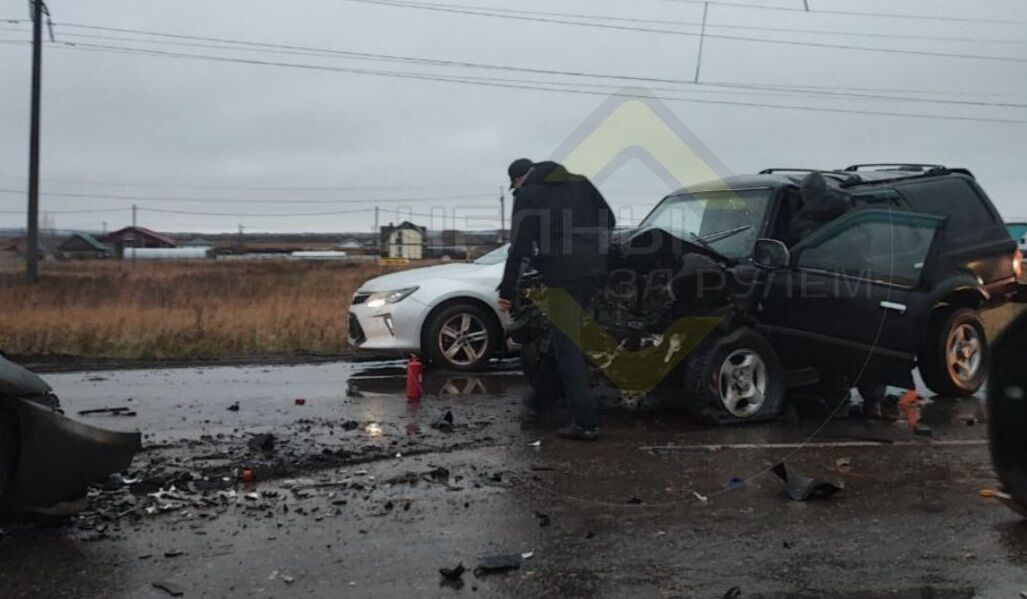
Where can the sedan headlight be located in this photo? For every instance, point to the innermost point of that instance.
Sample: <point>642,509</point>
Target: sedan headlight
<point>381,298</point>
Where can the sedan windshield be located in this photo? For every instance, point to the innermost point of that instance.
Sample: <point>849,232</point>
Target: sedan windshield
<point>727,222</point>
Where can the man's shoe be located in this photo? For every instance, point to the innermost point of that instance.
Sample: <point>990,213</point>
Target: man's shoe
<point>574,432</point>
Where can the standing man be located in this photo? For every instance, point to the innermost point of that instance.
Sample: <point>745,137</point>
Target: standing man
<point>562,224</point>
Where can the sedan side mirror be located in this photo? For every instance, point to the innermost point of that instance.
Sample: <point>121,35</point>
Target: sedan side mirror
<point>771,254</point>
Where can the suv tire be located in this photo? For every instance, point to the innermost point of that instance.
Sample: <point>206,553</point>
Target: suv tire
<point>954,359</point>
<point>476,331</point>
<point>734,378</point>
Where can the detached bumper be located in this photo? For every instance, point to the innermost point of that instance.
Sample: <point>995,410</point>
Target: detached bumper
<point>59,458</point>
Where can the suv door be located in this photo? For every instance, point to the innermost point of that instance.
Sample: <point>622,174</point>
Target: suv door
<point>853,302</point>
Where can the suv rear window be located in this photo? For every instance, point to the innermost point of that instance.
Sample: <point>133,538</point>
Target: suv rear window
<point>951,197</point>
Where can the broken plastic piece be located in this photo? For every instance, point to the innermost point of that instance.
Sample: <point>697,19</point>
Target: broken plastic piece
<point>453,573</point>
<point>498,563</point>
<point>262,442</point>
<point>171,589</point>
<point>801,487</point>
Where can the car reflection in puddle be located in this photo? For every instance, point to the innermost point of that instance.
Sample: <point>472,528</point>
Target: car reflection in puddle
<point>391,380</point>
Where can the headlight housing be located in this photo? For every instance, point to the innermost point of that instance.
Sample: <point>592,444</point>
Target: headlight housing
<point>381,298</point>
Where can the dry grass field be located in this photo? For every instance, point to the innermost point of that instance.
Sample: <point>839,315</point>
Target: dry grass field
<point>152,310</point>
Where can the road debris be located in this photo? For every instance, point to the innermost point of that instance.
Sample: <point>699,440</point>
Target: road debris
<point>499,563</point>
<point>994,493</point>
<point>127,412</point>
<point>543,519</point>
<point>262,442</point>
<point>535,444</point>
<point>801,487</point>
<point>453,573</point>
<point>702,498</point>
<point>234,407</point>
<point>352,390</point>
<point>170,588</point>
<point>733,593</point>
<point>444,422</point>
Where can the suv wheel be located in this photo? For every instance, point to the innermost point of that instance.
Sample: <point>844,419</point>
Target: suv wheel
<point>735,378</point>
<point>461,336</point>
<point>954,361</point>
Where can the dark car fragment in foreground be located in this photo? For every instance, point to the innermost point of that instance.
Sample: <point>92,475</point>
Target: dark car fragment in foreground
<point>48,461</point>
<point>818,279</point>
<point>1007,413</point>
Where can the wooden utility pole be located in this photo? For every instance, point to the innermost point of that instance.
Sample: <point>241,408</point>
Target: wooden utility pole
<point>32,230</point>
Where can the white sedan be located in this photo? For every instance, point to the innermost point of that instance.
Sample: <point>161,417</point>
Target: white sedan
<point>449,313</point>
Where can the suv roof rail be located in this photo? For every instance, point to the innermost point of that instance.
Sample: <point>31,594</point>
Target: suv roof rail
<point>895,166</point>
<point>844,177</point>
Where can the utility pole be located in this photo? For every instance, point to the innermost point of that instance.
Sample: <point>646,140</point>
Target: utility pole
<point>377,234</point>
<point>135,232</point>
<point>702,38</point>
<point>32,231</point>
<point>502,214</point>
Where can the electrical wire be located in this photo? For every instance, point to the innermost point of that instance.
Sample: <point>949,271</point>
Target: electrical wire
<point>136,198</point>
<point>853,13</point>
<point>693,86</point>
<point>522,16</point>
<point>549,87</point>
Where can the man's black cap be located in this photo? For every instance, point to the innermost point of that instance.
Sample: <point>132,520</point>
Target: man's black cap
<point>519,168</point>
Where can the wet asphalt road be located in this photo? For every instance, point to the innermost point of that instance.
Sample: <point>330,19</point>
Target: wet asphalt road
<point>658,508</point>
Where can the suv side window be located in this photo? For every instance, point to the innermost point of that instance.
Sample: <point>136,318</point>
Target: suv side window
<point>880,247</point>
<point>951,197</point>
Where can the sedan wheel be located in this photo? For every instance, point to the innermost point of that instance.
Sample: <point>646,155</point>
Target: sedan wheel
<point>461,336</point>
<point>463,339</point>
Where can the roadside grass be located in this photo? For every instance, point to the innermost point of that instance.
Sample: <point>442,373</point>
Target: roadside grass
<point>162,310</point>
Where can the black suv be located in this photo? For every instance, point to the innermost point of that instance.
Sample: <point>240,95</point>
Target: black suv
<point>808,294</point>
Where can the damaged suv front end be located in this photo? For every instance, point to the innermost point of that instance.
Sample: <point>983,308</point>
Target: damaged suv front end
<point>47,460</point>
<point>682,283</point>
<point>733,291</point>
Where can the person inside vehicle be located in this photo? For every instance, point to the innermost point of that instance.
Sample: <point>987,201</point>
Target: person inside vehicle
<point>562,224</point>
<point>821,204</point>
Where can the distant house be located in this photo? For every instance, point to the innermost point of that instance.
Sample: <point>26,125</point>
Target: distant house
<point>137,237</point>
<point>405,240</point>
<point>82,246</point>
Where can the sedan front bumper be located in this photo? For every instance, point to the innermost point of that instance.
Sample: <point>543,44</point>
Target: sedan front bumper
<point>392,327</point>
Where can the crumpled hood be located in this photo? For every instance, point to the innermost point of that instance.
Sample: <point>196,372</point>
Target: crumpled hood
<point>17,381</point>
<point>418,276</point>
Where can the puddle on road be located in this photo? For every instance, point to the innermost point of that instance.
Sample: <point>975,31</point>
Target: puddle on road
<point>187,403</point>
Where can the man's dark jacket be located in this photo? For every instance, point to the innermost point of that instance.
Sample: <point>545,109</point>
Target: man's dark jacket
<point>562,224</point>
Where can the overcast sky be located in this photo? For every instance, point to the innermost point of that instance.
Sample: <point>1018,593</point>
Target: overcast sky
<point>193,133</point>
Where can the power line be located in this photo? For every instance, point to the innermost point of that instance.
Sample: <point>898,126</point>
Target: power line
<point>853,13</point>
<point>523,16</point>
<point>136,198</point>
<point>300,188</point>
<point>694,87</point>
<point>438,78</point>
<point>622,19</point>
